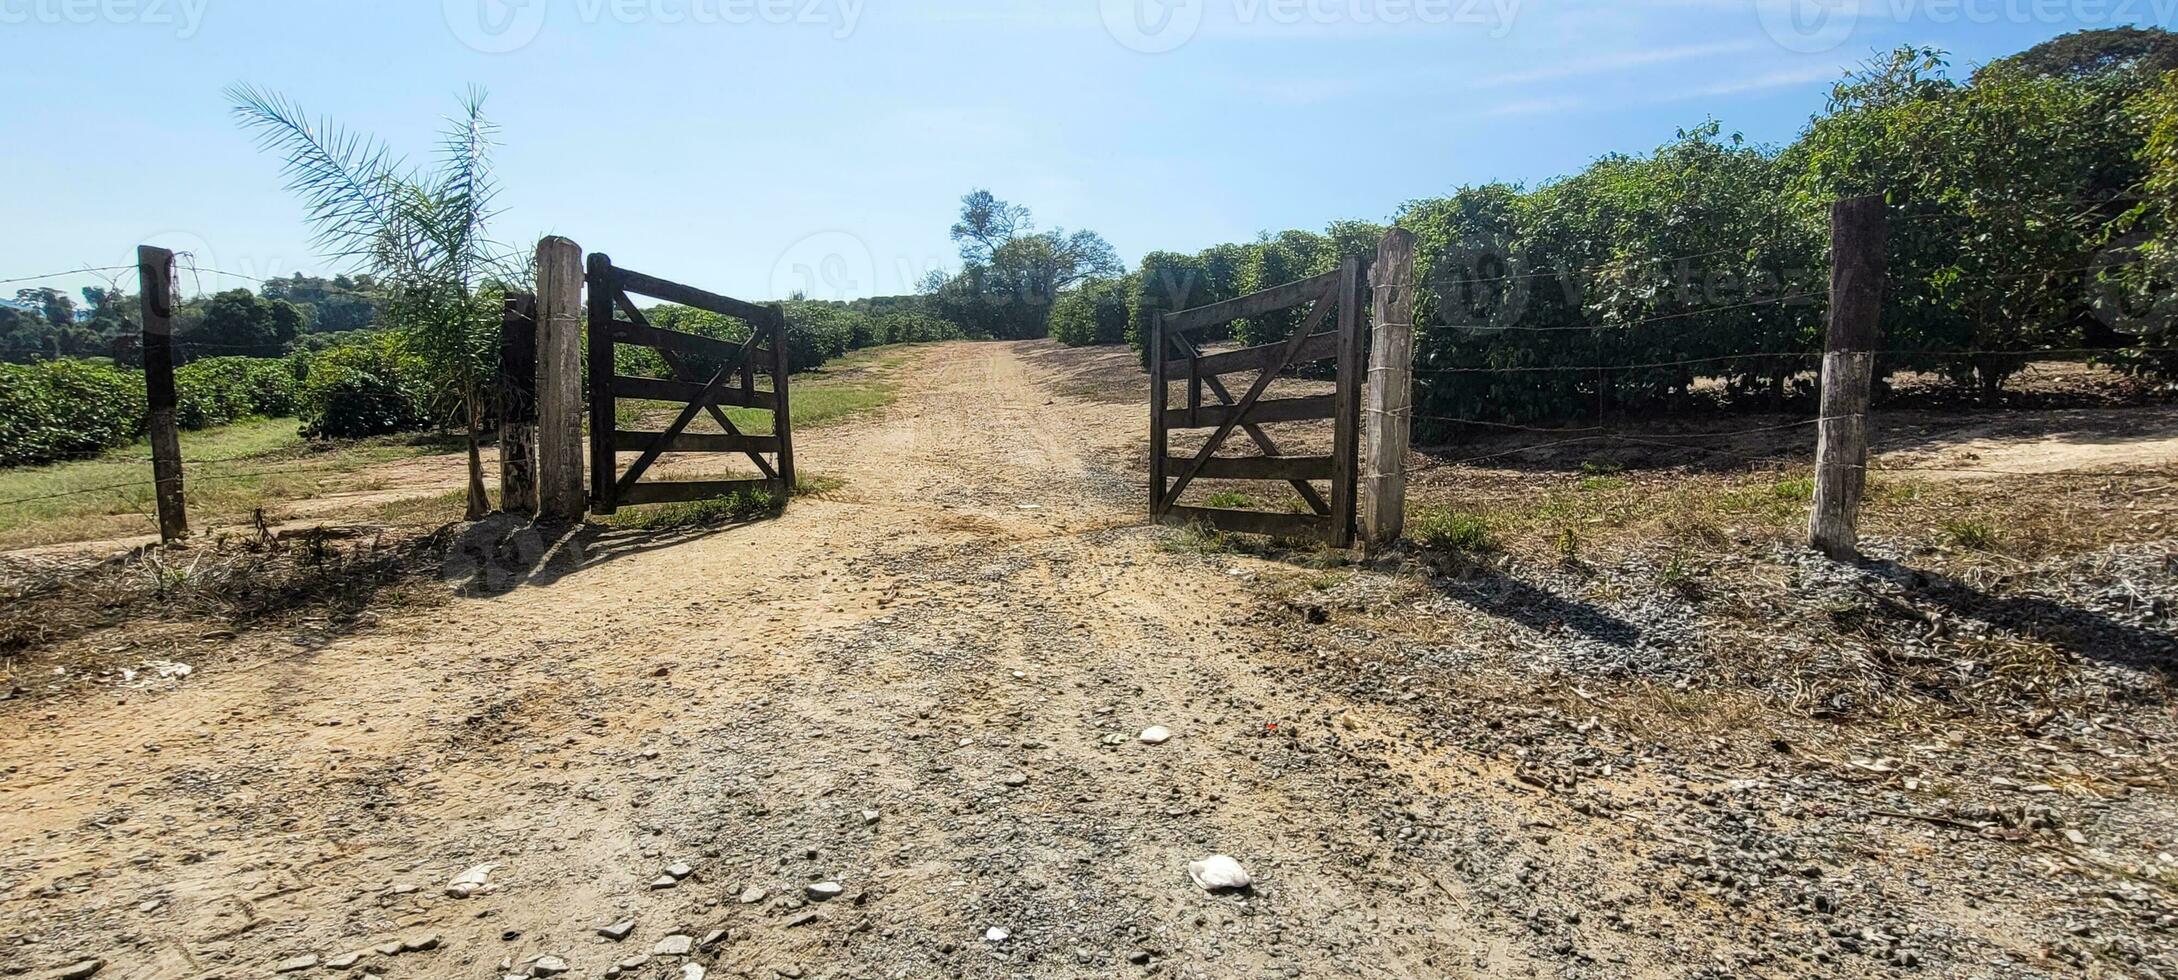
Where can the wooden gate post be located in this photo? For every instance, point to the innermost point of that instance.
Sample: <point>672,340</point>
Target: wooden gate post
<point>155,277</point>
<point>518,405</point>
<point>1388,415</point>
<point>1859,238</point>
<point>560,493</point>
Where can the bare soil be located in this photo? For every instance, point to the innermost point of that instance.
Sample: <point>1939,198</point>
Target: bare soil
<point>926,686</point>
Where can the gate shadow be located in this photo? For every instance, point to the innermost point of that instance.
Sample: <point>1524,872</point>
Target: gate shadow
<point>1502,596</point>
<point>2078,632</point>
<point>505,552</point>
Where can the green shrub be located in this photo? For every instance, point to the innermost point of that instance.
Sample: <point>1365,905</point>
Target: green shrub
<point>1094,314</point>
<point>1452,531</point>
<point>367,389</point>
<point>914,328</point>
<point>56,410</point>
<point>220,390</point>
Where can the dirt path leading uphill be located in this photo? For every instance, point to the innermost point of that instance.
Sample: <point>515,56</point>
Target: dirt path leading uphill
<point>925,687</point>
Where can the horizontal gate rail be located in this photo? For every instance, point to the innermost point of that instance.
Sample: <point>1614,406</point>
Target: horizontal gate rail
<point>1172,352</point>
<point>615,320</point>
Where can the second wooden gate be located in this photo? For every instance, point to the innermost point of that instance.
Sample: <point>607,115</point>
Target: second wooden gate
<point>1331,520</point>
<point>614,320</point>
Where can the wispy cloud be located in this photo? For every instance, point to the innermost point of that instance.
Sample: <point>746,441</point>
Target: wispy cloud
<point>1535,107</point>
<point>1784,78</point>
<point>1616,61</point>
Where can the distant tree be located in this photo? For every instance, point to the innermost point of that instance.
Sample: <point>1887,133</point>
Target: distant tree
<point>2150,52</point>
<point>239,323</point>
<point>1012,273</point>
<point>52,304</point>
<point>334,305</point>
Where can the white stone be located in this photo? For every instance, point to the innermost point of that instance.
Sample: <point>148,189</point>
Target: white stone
<point>475,881</point>
<point>824,891</point>
<point>1156,735</point>
<point>1218,873</point>
<point>674,945</point>
<point>996,934</point>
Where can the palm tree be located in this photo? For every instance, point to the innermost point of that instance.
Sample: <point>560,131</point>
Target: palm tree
<point>420,232</point>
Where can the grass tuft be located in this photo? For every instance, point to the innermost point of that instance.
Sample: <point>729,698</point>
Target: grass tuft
<point>1452,531</point>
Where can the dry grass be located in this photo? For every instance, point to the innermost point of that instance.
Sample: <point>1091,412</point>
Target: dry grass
<point>83,614</point>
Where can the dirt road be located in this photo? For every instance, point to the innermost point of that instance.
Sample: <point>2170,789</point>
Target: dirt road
<point>925,687</point>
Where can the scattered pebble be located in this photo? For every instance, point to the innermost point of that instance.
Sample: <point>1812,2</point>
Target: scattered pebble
<point>1219,873</point>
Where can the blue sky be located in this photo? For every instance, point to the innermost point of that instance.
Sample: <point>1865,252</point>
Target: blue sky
<point>754,146</point>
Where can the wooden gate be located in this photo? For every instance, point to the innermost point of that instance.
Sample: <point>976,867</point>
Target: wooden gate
<point>1332,520</point>
<point>614,320</point>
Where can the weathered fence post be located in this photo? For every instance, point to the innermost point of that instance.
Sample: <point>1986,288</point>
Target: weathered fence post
<point>518,405</point>
<point>1388,414</point>
<point>560,493</point>
<point>1158,395</point>
<point>604,455</point>
<point>155,276</point>
<point>1859,237</point>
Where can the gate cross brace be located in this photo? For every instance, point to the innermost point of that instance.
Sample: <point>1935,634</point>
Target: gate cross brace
<point>1255,432</point>
<point>681,372</point>
<point>1255,392</point>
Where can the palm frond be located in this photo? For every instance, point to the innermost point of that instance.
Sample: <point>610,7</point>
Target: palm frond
<point>464,191</point>
<point>349,182</point>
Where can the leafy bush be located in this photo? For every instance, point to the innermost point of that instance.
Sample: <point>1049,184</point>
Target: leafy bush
<point>56,410</point>
<point>914,328</point>
<point>1452,531</point>
<point>224,389</point>
<point>367,389</point>
<point>1094,314</point>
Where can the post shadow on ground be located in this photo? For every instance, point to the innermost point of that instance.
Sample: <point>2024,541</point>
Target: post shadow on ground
<point>1496,594</point>
<point>2079,632</point>
<point>505,552</point>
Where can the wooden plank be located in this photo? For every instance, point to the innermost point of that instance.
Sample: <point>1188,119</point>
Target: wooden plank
<point>1283,357</point>
<point>699,442</point>
<point>1158,396</point>
<point>624,332</point>
<point>1254,304</point>
<point>673,292</point>
<point>1346,429</point>
<point>1287,468</point>
<point>684,492</point>
<point>1250,521</point>
<point>603,459</point>
<point>674,390</point>
<point>782,409</point>
<point>1310,409</point>
<point>1316,348</point>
